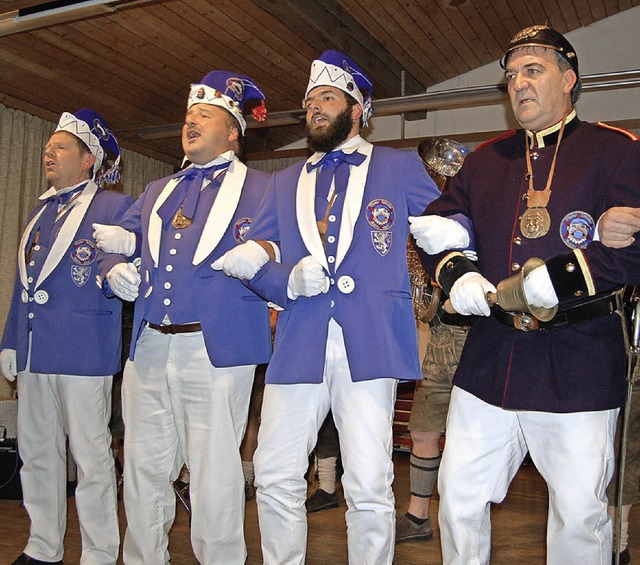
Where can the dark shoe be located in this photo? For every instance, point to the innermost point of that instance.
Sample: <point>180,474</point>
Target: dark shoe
<point>24,559</point>
<point>625,557</point>
<point>406,530</point>
<point>321,500</point>
<point>249,491</point>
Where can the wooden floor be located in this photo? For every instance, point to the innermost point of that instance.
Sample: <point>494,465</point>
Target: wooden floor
<point>518,528</point>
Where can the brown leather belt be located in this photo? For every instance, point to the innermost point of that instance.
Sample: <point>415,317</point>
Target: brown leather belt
<point>587,310</point>
<point>177,328</point>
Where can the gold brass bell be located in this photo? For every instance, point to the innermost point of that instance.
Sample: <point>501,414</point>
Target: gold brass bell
<point>510,295</point>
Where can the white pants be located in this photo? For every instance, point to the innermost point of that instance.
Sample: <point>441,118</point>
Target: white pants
<point>484,448</point>
<point>179,409</point>
<point>50,407</point>
<point>291,417</point>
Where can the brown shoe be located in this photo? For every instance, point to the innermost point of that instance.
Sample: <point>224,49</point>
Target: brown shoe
<point>406,530</point>
<point>321,500</point>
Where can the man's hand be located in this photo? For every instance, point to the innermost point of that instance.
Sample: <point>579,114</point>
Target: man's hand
<point>469,295</point>
<point>435,234</point>
<point>538,289</point>
<point>124,280</point>
<point>307,278</point>
<point>9,364</point>
<point>114,239</point>
<point>243,261</point>
<point>618,225</point>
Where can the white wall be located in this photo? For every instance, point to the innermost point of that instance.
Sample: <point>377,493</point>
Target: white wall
<point>606,46</point>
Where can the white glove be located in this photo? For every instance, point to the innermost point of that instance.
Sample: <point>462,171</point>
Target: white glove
<point>307,278</point>
<point>243,261</point>
<point>9,364</point>
<point>538,288</point>
<point>469,295</point>
<point>124,280</point>
<point>114,239</point>
<point>435,234</point>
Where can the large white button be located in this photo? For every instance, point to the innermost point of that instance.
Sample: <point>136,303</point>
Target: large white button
<point>24,296</point>
<point>41,296</point>
<point>331,259</point>
<point>166,302</point>
<point>172,251</point>
<point>169,268</point>
<point>167,285</point>
<point>346,284</point>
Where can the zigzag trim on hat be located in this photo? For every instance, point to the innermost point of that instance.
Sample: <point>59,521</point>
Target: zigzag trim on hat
<point>203,94</point>
<point>69,123</point>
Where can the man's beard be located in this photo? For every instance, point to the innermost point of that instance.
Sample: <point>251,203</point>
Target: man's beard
<point>330,137</point>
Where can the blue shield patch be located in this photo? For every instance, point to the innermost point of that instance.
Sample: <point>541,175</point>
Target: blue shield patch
<point>382,241</point>
<point>80,275</point>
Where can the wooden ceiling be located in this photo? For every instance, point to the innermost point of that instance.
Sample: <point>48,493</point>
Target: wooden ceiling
<point>134,64</point>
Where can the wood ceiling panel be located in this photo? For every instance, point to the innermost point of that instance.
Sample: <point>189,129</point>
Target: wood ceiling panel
<point>135,64</point>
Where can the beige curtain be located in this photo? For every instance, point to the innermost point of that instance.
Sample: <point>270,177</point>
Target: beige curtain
<point>22,141</point>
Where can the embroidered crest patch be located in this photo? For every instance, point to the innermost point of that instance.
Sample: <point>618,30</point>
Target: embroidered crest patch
<point>80,275</point>
<point>240,229</point>
<point>83,252</point>
<point>382,241</point>
<point>380,214</point>
<point>577,229</point>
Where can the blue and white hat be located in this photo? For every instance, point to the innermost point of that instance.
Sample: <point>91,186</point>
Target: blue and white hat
<point>336,69</point>
<point>231,92</point>
<point>91,128</point>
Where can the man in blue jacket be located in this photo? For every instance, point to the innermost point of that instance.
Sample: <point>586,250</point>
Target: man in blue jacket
<point>197,334</point>
<point>346,334</point>
<point>62,340</point>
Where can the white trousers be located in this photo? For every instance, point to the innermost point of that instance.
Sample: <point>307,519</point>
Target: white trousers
<point>291,417</point>
<point>50,407</point>
<point>484,448</point>
<point>178,409</point>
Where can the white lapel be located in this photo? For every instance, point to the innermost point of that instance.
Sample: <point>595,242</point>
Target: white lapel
<point>68,230</point>
<point>222,211</point>
<point>353,201</point>
<point>154,233</point>
<point>306,214</point>
<point>22,249</point>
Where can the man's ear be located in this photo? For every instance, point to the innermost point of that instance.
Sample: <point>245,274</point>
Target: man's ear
<point>569,80</point>
<point>356,112</point>
<point>88,161</point>
<point>234,134</point>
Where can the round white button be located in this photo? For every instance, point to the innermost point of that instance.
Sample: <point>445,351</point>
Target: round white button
<point>332,218</point>
<point>331,238</point>
<point>41,296</point>
<point>30,279</point>
<point>36,248</point>
<point>177,235</point>
<point>346,284</point>
<point>172,251</point>
<point>331,259</point>
<point>169,268</point>
<point>24,296</point>
<point>31,315</point>
<point>167,285</point>
<point>32,263</point>
<point>166,302</point>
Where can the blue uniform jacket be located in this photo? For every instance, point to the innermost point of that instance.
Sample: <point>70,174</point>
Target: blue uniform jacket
<point>579,367</point>
<point>370,295</point>
<point>75,329</point>
<point>235,321</point>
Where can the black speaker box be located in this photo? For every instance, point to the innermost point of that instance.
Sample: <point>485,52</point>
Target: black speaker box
<point>10,486</point>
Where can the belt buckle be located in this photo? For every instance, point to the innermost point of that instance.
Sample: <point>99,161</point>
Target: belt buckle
<point>525,322</point>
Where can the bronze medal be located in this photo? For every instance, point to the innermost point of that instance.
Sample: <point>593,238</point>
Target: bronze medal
<point>535,222</point>
<point>180,221</point>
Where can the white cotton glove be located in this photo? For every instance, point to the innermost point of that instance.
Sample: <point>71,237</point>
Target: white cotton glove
<point>124,280</point>
<point>435,234</point>
<point>114,239</point>
<point>243,261</point>
<point>9,364</point>
<point>538,288</point>
<point>307,278</point>
<point>469,295</point>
